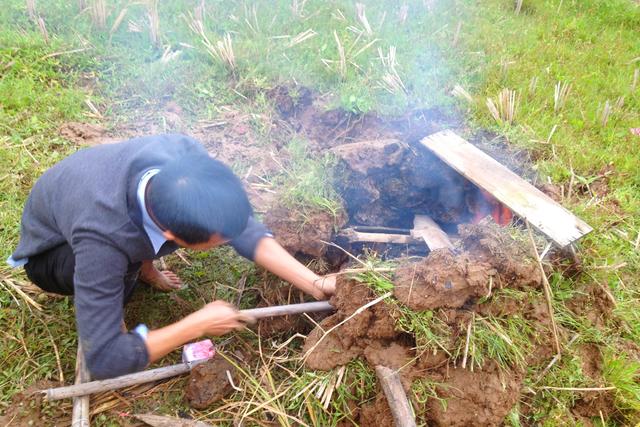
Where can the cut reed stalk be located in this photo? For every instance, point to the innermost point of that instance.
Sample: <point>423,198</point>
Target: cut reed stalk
<point>560,95</point>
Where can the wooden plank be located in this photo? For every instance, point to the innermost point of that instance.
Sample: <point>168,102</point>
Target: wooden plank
<point>398,403</point>
<point>356,236</point>
<point>526,201</point>
<point>425,228</point>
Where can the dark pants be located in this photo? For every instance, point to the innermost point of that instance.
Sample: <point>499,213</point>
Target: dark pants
<point>53,272</point>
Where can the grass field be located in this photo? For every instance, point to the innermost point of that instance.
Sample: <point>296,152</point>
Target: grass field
<point>573,67</point>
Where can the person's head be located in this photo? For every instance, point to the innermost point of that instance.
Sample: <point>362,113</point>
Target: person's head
<point>198,202</point>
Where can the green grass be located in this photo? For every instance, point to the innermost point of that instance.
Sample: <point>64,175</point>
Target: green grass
<point>590,44</point>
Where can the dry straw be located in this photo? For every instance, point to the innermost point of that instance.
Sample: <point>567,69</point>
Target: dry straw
<point>560,95</point>
<point>362,17</point>
<point>505,107</point>
<point>391,81</point>
<point>154,22</point>
<point>461,93</point>
<point>221,51</point>
<point>99,13</point>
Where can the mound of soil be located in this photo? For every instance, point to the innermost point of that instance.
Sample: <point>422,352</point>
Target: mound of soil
<point>479,398</point>
<point>303,233</point>
<point>374,327</point>
<point>208,382</point>
<point>488,257</point>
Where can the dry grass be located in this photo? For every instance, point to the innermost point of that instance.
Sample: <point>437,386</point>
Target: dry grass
<point>518,6</point>
<point>31,9</point>
<point>99,13</point>
<point>362,17</point>
<point>391,81</point>
<point>505,107</point>
<point>154,21</point>
<point>297,8</point>
<point>221,51</point>
<point>461,93</point>
<point>561,93</point>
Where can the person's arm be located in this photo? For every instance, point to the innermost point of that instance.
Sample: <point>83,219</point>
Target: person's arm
<point>270,255</point>
<point>216,318</point>
<point>109,351</point>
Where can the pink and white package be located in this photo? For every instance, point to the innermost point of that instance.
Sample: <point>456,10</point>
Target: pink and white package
<point>200,350</point>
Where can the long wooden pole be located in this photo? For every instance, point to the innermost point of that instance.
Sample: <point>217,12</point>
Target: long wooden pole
<point>180,368</point>
<point>80,416</point>
<point>398,402</point>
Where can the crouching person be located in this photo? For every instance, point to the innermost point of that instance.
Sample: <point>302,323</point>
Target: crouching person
<point>94,222</point>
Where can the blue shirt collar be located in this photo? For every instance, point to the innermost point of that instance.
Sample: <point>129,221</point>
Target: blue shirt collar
<point>151,228</point>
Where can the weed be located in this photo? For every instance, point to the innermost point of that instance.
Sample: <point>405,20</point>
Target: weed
<point>623,373</point>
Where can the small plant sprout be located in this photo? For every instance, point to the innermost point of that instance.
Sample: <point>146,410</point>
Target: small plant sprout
<point>505,107</point>
<point>461,93</point>
<point>560,95</point>
<point>362,17</point>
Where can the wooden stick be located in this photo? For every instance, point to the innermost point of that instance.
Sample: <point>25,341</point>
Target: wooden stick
<point>180,368</point>
<point>426,228</point>
<point>80,416</point>
<point>357,236</point>
<point>392,386</point>
<point>284,310</point>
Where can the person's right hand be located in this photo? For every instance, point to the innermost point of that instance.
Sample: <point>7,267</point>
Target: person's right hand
<point>218,318</point>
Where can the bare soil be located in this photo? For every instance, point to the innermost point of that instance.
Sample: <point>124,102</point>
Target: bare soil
<point>208,382</point>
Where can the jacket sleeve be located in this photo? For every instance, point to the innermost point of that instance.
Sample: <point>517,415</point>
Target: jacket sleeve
<point>99,275</point>
<point>245,244</point>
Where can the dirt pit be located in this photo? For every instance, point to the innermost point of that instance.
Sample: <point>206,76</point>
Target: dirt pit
<point>209,382</point>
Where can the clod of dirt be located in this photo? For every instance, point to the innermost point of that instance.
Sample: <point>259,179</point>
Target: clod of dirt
<point>208,382</point>
<point>489,257</point>
<point>479,398</point>
<point>373,327</point>
<point>442,280</point>
<point>84,133</point>
<point>289,101</point>
<point>377,413</point>
<point>302,233</point>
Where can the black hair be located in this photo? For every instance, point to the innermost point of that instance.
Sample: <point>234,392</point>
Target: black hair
<point>195,197</point>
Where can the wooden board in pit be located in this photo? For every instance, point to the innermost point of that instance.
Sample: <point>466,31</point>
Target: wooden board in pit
<point>526,201</point>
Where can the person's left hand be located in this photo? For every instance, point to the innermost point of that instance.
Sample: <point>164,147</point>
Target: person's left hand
<point>326,284</point>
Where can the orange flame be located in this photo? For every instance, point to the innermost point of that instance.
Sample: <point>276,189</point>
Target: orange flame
<point>489,205</point>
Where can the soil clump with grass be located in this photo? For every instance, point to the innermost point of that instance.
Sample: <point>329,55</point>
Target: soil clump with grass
<point>209,382</point>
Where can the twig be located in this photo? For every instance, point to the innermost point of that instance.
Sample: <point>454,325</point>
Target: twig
<point>65,52</point>
<point>466,345</point>
<point>577,388</point>
<point>547,293</point>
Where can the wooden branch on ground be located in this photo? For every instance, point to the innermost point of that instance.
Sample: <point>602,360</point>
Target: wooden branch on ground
<point>163,421</point>
<point>80,416</point>
<point>93,387</point>
<point>357,236</point>
<point>426,228</point>
<point>400,407</point>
